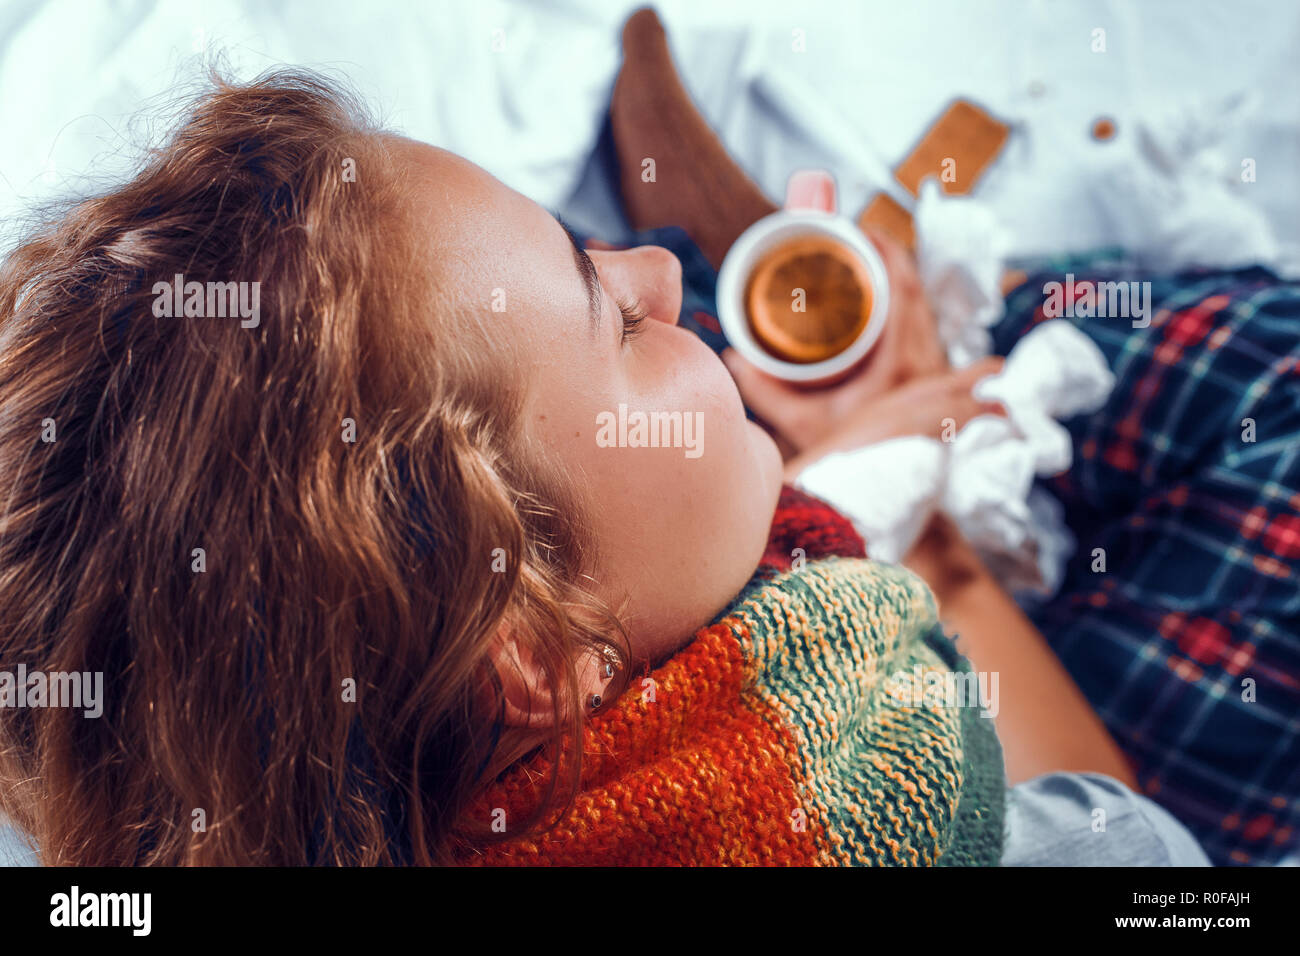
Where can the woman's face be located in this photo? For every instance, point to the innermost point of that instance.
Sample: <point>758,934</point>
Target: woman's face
<point>681,526</point>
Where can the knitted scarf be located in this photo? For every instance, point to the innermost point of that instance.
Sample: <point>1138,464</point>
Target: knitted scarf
<point>774,737</point>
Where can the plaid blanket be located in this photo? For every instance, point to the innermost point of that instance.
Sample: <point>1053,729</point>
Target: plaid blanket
<point>1188,481</point>
<point>1188,642</point>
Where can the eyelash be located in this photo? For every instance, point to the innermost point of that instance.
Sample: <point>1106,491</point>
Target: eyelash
<point>633,318</point>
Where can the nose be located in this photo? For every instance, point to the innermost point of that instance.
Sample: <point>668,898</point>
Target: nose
<point>649,274</point>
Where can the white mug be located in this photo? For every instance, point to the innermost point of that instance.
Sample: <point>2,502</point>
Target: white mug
<point>809,210</point>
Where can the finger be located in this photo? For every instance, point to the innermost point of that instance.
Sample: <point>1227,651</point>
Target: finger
<point>915,330</point>
<point>892,360</point>
<point>948,399</point>
<point>771,399</point>
<point>872,376</point>
<point>900,264</point>
<point>888,247</point>
<point>964,406</point>
<point>981,369</point>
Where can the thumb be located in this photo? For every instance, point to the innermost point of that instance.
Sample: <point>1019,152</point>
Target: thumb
<point>768,397</point>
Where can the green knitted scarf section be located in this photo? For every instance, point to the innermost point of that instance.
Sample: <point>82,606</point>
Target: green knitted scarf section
<point>898,762</point>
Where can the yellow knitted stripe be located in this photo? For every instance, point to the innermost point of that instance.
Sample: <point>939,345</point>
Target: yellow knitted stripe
<point>883,776</point>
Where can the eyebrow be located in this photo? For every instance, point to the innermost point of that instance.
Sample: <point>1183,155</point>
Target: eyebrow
<point>587,271</point>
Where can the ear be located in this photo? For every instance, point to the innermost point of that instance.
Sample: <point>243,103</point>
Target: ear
<point>529,701</point>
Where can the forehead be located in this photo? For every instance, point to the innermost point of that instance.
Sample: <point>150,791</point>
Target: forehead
<point>454,202</point>
<point>482,235</point>
<point>492,253</point>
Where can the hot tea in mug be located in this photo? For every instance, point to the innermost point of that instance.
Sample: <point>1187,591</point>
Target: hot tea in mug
<point>802,293</point>
<point>808,299</point>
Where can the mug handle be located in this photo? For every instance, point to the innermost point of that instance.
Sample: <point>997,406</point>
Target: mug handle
<point>810,189</point>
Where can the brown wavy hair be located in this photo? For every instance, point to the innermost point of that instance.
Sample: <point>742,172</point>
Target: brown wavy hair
<point>330,564</point>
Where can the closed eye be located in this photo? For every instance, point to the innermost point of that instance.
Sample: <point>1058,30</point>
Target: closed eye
<point>634,317</point>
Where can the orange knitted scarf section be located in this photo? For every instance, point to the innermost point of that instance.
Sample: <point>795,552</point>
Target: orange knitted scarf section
<point>778,737</point>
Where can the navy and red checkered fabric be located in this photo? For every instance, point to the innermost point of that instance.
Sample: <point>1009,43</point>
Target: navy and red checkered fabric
<point>1188,643</point>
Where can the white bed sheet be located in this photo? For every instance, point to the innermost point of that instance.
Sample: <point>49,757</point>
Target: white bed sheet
<point>520,88</point>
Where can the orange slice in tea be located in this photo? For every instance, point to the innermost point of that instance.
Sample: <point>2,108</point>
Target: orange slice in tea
<point>808,299</point>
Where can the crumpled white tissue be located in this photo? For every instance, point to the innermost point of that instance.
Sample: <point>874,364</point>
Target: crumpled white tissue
<point>983,477</point>
<point>961,249</point>
<point>888,490</point>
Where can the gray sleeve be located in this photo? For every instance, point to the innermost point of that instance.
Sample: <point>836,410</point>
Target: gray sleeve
<point>1089,819</point>
<point>14,850</point>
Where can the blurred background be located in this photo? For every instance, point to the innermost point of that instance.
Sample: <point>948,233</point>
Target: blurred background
<point>1193,90</point>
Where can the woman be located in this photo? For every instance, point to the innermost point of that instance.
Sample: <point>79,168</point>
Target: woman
<point>366,587</point>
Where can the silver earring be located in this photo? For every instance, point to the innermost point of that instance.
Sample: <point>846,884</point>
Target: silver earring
<point>595,701</point>
<point>611,659</point>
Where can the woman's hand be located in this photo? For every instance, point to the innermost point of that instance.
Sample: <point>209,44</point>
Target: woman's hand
<point>934,406</point>
<point>945,559</point>
<point>909,348</point>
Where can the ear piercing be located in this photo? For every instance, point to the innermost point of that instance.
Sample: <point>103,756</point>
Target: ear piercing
<point>610,657</point>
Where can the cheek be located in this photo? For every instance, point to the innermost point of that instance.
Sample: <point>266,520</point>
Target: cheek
<point>735,453</point>
<point>680,527</point>
<point>698,516</point>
